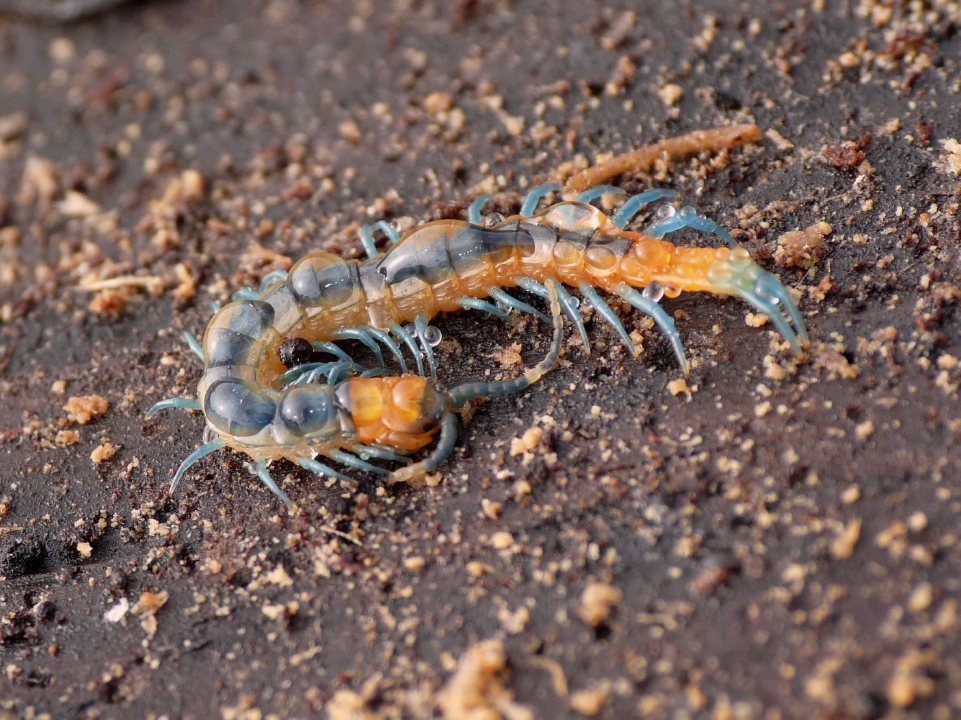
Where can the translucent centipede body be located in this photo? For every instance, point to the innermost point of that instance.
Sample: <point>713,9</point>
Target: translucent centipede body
<point>252,402</point>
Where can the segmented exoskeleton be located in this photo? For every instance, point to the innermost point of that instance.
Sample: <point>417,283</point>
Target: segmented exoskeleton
<point>310,412</point>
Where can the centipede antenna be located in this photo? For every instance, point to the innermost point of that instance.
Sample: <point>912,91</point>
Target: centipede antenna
<point>463,394</point>
<point>476,208</point>
<point>194,344</point>
<point>388,341</point>
<point>176,403</point>
<point>535,195</point>
<point>512,302</point>
<point>420,328</point>
<point>608,314</point>
<point>626,212</point>
<point>349,460</point>
<point>331,349</point>
<point>362,335</point>
<point>598,191</point>
<point>318,468</point>
<point>469,303</point>
<point>271,278</point>
<point>660,316</point>
<point>568,302</point>
<point>445,446</point>
<point>196,456</point>
<point>411,344</point>
<point>271,484</point>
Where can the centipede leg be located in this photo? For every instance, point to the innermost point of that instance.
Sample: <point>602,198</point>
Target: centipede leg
<point>476,207</point>
<point>271,278</point>
<point>663,320</point>
<point>338,371</point>
<point>598,191</point>
<point>535,195</point>
<point>176,403</point>
<point>245,294</point>
<point>670,220</point>
<point>769,308</point>
<point>271,483</point>
<point>512,302</point>
<point>367,236</point>
<point>379,452</point>
<point>445,446</point>
<point>196,456</point>
<point>469,303</point>
<point>420,328</point>
<point>345,458</point>
<point>194,344</point>
<point>568,303</point>
<point>318,468</point>
<point>626,212</point>
<point>331,349</point>
<point>608,314</point>
<point>364,336</point>
<point>411,344</point>
<point>388,341</point>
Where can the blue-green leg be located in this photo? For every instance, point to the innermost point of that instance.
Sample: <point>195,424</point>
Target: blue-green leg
<point>535,195</point>
<point>608,314</point>
<point>194,457</point>
<point>769,287</point>
<point>411,344</point>
<point>271,278</point>
<point>367,236</point>
<point>362,335</point>
<point>246,294</point>
<point>332,349</point>
<point>670,220</point>
<point>194,344</point>
<point>626,212</point>
<point>379,452</point>
<point>177,403</point>
<point>388,341</point>
<point>318,468</point>
<point>469,303</point>
<point>598,191</point>
<point>512,302</point>
<point>663,320</point>
<point>345,458</point>
<point>568,303</point>
<point>271,484</point>
<point>476,207</point>
<point>420,328</point>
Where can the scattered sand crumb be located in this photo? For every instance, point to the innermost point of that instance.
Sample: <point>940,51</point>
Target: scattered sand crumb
<point>755,320</point>
<point>103,452</point>
<point>348,705</point>
<point>831,360</point>
<point>679,386</point>
<point>146,609</point>
<point>803,248</point>
<point>509,356</point>
<point>476,690</point>
<point>843,546</point>
<point>670,94</point>
<point>921,597</point>
<point>864,430</point>
<point>81,409</point>
<point>58,387</point>
<point>950,160</point>
<point>598,602</point>
<point>589,701</point>
<point>528,441</point>
<point>85,549</point>
<point>66,438</point>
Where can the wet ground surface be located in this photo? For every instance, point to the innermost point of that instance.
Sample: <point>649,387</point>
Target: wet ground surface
<point>780,542</point>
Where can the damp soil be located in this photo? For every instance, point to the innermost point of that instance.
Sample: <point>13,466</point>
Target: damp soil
<point>774,539</point>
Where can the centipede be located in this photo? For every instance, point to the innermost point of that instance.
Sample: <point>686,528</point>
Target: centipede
<point>255,404</point>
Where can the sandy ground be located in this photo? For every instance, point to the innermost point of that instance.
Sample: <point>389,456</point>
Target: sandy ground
<point>781,541</point>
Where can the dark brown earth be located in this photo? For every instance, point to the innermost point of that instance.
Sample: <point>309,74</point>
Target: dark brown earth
<point>781,543</point>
